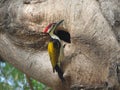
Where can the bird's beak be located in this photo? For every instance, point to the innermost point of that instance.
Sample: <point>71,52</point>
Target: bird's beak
<point>55,26</point>
<point>58,23</point>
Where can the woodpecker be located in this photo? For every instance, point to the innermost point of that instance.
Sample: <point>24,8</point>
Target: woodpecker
<point>55,46</point>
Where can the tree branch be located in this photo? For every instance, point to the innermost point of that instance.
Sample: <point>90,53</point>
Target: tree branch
<point>29,82</point>
<point>87,59</point>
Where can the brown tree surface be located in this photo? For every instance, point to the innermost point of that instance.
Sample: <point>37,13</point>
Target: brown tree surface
<point>91,60</point>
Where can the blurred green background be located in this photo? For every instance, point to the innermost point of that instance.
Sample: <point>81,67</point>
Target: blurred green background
<point>13,79</point>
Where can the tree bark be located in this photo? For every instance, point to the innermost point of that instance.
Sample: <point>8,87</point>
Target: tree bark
<point>91,60</point>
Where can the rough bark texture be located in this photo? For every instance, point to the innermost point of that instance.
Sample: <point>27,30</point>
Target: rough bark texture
<point>91,60</point>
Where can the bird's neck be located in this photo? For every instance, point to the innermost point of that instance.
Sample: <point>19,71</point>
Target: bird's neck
<point>53,36</point>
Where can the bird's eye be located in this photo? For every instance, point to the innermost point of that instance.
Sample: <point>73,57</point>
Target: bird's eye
<point>52,26</point>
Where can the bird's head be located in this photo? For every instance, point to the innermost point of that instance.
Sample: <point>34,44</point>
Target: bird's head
<point>52,27</point>
<point>61,34</point>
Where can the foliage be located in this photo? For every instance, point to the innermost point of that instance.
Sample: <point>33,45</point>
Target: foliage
<point>13,79</point>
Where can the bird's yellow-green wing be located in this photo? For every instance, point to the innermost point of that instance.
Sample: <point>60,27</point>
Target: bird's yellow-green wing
<point>54,51</point>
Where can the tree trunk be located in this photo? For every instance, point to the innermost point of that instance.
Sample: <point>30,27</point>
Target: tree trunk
<point>91,60</point>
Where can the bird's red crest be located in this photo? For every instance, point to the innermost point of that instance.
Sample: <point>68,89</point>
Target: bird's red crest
<point>47,28</point>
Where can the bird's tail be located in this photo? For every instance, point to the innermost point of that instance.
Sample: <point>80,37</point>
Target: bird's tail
<point>60,73</point>
<point>1,60</point>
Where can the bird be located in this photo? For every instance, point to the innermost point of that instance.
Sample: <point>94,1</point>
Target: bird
<point>55,46</point>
